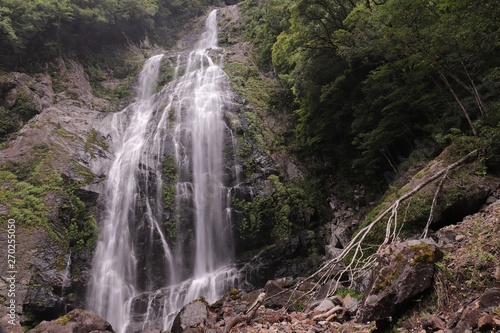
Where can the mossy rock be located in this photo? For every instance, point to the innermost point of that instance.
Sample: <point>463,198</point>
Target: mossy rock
<point>401,272</point>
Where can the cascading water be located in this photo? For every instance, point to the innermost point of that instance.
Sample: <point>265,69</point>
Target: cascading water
<point>114,278</point>
<point>138,281</point>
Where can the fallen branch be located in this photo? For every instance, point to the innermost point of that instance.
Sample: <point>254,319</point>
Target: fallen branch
<point>433,205</point>
<point>328,313</point>
<point>355,265</point>
<point>248,315</point>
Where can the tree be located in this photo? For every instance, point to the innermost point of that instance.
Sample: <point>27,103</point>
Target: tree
<point>444,34</point>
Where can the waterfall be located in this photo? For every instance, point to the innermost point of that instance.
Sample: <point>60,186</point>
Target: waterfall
<point>170,172</point>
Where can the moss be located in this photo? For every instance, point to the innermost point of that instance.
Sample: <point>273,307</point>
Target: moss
<point>166,73</point>
<point>123,90</point>
<point>62,320</point>
<point>169,168</point>
<point>233,294</point>
<point>201,299</point>
<point>93,143</point>
<point>25,197</point>
<point>423,253</point>
<point>65,134</point>
<point>23,107</point>
<point>383,282</point>
<point>412,217</point>
<point>170,177</point>
<point>88,176</point>
<point>29,195</point>
<point>8,123</point>
<point>284,208</point>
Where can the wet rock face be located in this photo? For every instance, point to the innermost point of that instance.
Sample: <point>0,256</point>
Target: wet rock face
<point>289,258</point>
<point>74,132</point>
<point>78,320</point>
<point>401,272</point>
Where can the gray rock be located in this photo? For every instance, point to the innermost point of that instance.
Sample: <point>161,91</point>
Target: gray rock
<point>153,330</point>
<point>10,98</point>
<point>63,128</point>
<point>324,306</point>
<point>350,304</point>
<point>402,271</point>
<point>78,320</point>
<point>240,308</point>
<point>470,318</point>
<point>191,315</point>
<point>432,323</point>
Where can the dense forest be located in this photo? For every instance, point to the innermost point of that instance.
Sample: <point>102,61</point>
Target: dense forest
<point>376,83</point>
<point>371,84</point>
<point>38,30</point>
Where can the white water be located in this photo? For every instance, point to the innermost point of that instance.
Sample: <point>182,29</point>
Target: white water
<point>113,282</point>
<point>186,115</point>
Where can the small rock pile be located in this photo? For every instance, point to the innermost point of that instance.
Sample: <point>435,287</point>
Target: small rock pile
<point>235,313</point>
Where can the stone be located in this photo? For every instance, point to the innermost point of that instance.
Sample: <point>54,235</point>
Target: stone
<point>191,315</point>
<point>471,316</point>
<point>490,299</point>
<point>10,98</point>
<point>401,272</point>
<point>277,297</point>
<point>432,323</point>
<point>153,330</point>
<point>343,234</point>
<point>350,304</point>
<point>240,308</point>
<point>78,320</point>
<point>488,324</point>
<point>324,306</point>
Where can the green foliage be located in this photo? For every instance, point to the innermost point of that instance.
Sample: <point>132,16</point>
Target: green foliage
<point>26,196</point>
<point>263,22</point>
<point>12,120</point>
<point>343,292</point>
<point>30,190</point>
<point>40,29</point>
<point>299,306</point>
<point>170,177</point>
<point>24,200</point>
<point>372,81</point>
<point>94,142</point>
<point>288,207</point>
<point>8,123</point>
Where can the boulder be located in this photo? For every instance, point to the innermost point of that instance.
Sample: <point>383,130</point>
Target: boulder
<point>475,315</point>
<point>432,323</point>
<point>401,272</point>
<point>190,316</point>
<point>78,320</point>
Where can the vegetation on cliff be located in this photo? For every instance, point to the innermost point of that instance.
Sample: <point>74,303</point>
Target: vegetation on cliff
<point>376,83</point>
<point>41,29</point>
